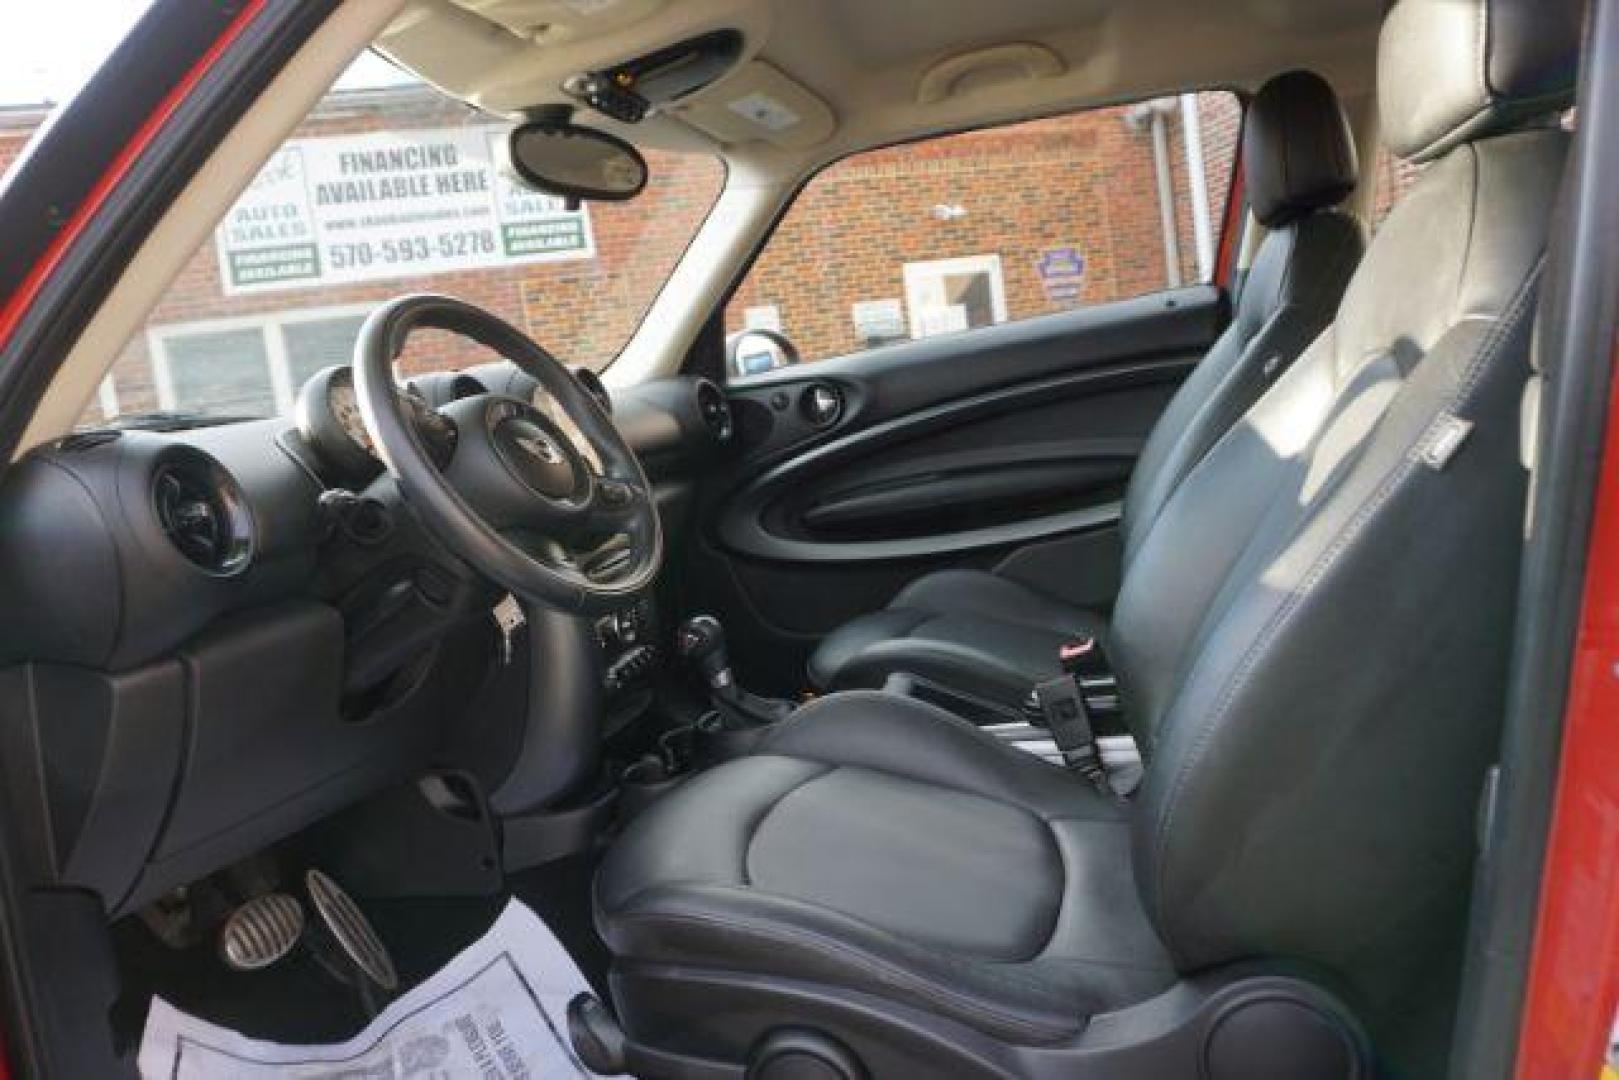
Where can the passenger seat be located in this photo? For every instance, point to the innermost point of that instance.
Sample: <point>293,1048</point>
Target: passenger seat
<point>993,637</point>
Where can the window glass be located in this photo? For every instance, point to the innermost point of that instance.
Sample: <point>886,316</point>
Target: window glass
<point>389,187</point>
<point>968,230</point>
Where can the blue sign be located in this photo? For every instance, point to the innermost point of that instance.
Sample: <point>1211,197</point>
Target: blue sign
<point>1062,272</point>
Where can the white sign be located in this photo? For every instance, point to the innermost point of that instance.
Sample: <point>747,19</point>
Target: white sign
<point>878,321</point>
<point>348,208</point>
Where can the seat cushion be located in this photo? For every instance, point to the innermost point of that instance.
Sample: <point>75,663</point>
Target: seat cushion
<point>969,629</point>
<point>875,843</point>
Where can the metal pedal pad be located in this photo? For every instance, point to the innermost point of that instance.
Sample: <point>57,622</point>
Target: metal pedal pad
<point>261,932</point>
<point>351,930</point>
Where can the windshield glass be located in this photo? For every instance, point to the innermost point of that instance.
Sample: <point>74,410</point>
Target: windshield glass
<point>391,187</point>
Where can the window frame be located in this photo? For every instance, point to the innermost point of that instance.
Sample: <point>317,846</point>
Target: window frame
<point>270,324</point>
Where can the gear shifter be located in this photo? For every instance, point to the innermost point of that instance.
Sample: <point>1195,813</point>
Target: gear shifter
<point>700,640</point>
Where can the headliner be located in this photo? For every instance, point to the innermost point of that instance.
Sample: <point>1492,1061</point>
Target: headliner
<point>864,59</point>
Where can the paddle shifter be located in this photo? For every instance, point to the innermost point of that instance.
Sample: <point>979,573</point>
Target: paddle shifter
<point>700,641</point>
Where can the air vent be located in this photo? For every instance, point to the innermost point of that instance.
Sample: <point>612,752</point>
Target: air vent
<point>201,510</point>
<point>465,386</point>
<point>716,411</point>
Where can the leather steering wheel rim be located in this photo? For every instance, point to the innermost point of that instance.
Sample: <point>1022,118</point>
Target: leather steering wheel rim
<point>447,512</point>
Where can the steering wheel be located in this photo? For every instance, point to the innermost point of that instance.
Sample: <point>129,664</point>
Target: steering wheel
<point>516,498</point>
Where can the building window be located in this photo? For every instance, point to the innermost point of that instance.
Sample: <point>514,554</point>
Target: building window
<point>249,366</point>
<point>946,295</point>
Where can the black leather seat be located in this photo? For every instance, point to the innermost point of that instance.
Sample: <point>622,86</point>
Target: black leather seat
<point>885,846</point>
<point>1316,684</point>
<point>994,637</point>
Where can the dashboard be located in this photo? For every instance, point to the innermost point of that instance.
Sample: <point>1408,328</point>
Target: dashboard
<point>234,631</point>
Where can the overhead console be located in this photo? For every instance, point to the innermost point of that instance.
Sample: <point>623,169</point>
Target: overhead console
<point>669,70</point>
<point>628,91</point>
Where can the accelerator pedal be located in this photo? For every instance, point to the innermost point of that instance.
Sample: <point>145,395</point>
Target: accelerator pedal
<point>351,931</point>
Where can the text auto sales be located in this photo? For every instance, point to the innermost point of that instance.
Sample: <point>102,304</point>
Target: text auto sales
<point>372,182</point>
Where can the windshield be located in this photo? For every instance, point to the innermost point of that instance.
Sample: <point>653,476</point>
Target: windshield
<point>390,187</point>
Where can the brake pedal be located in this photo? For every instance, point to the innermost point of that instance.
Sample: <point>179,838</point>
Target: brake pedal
<point>261,932</point>
<point>351,930</point>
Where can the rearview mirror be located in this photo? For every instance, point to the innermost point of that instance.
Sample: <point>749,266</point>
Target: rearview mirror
<point>575,162</point>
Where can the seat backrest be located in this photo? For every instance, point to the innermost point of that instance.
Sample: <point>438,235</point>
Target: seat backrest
<point>1313,638</point>
<point>1299,160</point>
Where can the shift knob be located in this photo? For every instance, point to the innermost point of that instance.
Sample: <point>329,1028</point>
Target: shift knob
<point>701,641</point>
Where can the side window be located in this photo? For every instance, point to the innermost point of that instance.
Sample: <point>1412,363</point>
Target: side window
<point>969,230</point>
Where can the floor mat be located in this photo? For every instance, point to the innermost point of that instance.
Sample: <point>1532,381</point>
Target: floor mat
<point>496,1010</point>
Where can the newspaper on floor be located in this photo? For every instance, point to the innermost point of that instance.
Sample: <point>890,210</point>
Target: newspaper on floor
<point>497,1011</point>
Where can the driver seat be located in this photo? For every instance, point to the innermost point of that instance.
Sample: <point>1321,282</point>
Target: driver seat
<point>1312,643</point>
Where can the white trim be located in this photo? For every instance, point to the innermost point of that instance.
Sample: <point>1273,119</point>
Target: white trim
<point>917,274</point>
<point>270,324</point>
<point>107,393</point>
<point>1197,178</point>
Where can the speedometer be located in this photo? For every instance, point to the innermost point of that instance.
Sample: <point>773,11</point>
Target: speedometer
<point>330,422</point>
<point>345,406</point>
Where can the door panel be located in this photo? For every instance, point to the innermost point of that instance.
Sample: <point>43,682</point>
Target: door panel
<point>1008,444</point>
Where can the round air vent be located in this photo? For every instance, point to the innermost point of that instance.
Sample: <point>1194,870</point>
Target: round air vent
<point>715,409</point>
<point>201,510</point>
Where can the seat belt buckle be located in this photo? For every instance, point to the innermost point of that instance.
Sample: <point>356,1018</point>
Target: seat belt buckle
<point>1063,710</point>
<point>1085,662</point>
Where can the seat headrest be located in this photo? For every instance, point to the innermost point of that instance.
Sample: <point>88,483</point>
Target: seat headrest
<point>1450,71</point>
<point>1296,148</point>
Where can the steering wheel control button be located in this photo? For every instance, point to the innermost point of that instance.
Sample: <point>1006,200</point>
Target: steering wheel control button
<point>261,932</point>
<point>616,493</point>
<point>538,457</point>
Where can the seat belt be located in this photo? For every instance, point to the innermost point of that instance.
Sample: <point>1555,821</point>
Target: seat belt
<point>1067,714</point>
